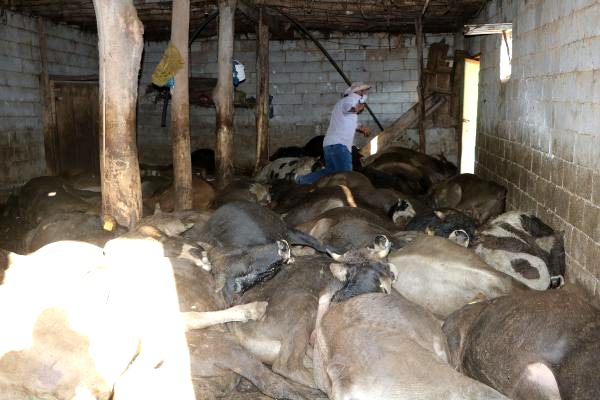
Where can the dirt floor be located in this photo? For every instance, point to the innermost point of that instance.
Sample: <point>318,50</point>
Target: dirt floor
<point>12,228</point>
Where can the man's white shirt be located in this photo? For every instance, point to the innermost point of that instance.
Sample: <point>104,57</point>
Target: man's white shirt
<point>343,123</point>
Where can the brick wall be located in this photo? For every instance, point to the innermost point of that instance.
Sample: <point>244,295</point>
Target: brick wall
<point>538,132</point>
<point>70,52</point>
<point>305,87</point>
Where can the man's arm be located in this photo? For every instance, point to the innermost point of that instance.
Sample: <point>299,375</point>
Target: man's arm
<point>364,130</point>
<point>358,108</point>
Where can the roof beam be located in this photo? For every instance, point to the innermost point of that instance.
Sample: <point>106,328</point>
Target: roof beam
<point>425,7</point>
<point>486,29</point>
<point>273,23</point>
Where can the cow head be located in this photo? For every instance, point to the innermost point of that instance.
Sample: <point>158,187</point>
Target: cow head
<point>261,192</point>
<point>442,222</point>
<point>238,270</point>
<point>402,212</point>
<point>363,271</point>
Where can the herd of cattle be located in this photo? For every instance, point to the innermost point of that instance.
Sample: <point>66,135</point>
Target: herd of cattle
<point>400,280</point>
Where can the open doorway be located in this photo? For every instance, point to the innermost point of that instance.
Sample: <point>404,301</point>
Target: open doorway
<point>469,128</point>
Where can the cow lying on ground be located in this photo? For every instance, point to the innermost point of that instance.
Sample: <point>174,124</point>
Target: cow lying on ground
<point>535,345</point>
<point>372,343</point>
<point>443,276</point>
<point>478,198</point>
<point>287,169</point>
<point>125,340</point>
<point>522,246</point>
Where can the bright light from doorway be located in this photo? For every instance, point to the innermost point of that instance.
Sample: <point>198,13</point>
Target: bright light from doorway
<point>505,55</point>
<point>469,128</point>
<point>373,145</point>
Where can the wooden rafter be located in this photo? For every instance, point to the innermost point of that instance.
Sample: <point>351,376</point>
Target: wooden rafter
<point>487,29</point>
<point>322,15</point>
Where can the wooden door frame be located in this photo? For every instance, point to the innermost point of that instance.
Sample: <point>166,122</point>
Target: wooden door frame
<point>50,132</point>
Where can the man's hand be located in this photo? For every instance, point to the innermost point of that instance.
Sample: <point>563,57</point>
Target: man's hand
<point>359,107</point>
<point>364,130</point>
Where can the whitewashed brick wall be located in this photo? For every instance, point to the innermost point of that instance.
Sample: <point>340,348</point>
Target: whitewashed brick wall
<point>539,133</point>
<point>305,87</point>
<point>70,52</point>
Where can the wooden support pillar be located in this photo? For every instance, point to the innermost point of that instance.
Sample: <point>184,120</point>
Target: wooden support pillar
<point>180,109</point>
<point>421,88</point>
<point>262,93</point>
<point>46,94</point>
<point>120,45</point>
<point>223,94</point>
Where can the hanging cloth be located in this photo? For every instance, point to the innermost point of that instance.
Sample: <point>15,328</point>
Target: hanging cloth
<point>170,62</point>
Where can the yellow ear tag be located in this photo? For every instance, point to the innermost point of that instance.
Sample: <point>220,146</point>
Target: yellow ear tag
<point>108,223</point>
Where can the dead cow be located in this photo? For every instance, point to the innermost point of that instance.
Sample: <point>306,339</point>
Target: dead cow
<point>77,324</point>
<point>443,276</point>
<point>373,345</point>
<point>287,168</point>
<point>522,246</point>
<point>478,198</point>
<point>538,345</point>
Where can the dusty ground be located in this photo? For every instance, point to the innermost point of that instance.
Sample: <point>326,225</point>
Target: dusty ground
<point>12,228</point>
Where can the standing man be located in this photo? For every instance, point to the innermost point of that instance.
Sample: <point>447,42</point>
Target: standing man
<point>337,145</point>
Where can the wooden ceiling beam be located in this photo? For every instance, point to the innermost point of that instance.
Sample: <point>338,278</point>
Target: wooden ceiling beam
<point>275,24</point>
<point>395,16</point>
<point>486,29</point>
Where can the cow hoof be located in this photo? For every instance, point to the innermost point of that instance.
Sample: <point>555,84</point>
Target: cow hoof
<point>204,263</point>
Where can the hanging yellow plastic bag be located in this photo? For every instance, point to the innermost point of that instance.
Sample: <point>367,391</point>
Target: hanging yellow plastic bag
<point>170,62</point>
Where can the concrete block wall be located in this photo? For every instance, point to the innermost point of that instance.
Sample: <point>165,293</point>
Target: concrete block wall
<point>70,52</point>
<point>539,132</point>
<point>305,87</point>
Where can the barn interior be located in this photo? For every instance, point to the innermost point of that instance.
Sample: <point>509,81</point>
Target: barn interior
<point>150,149</point>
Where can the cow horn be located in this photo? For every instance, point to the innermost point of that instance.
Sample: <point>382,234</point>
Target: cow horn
<point>335,256</point>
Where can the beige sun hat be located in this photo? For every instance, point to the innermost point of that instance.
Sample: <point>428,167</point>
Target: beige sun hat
<point>357,86</point>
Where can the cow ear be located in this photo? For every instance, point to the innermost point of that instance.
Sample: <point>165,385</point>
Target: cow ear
<point>382,246</point>
<point>339,271</point>
<point>335,256</point>
<point>283,248</point>
<point>461,237</point>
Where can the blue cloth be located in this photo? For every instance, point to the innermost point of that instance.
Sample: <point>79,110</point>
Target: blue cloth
<point>337,159</point>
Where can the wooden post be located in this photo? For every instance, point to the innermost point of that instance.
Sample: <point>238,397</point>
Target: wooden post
<point>262,93</point>
<point>223,94</point>
<point>421,88</point>
<point>180,109</point>
<point>120,45</point>
<point>46,93</point>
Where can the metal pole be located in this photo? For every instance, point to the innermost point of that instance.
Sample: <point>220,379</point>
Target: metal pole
<point>331,60</point>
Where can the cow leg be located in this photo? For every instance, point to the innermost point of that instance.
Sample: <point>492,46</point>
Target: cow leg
<point>226,353</point>
<point>241,313</point>
<point>290,362</point>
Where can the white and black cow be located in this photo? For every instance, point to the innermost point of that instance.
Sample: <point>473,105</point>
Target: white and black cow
<point>522,246</point>
<point>287,168</point>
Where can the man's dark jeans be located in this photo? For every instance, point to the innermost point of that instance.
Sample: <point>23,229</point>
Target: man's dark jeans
<point>337,158</point>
